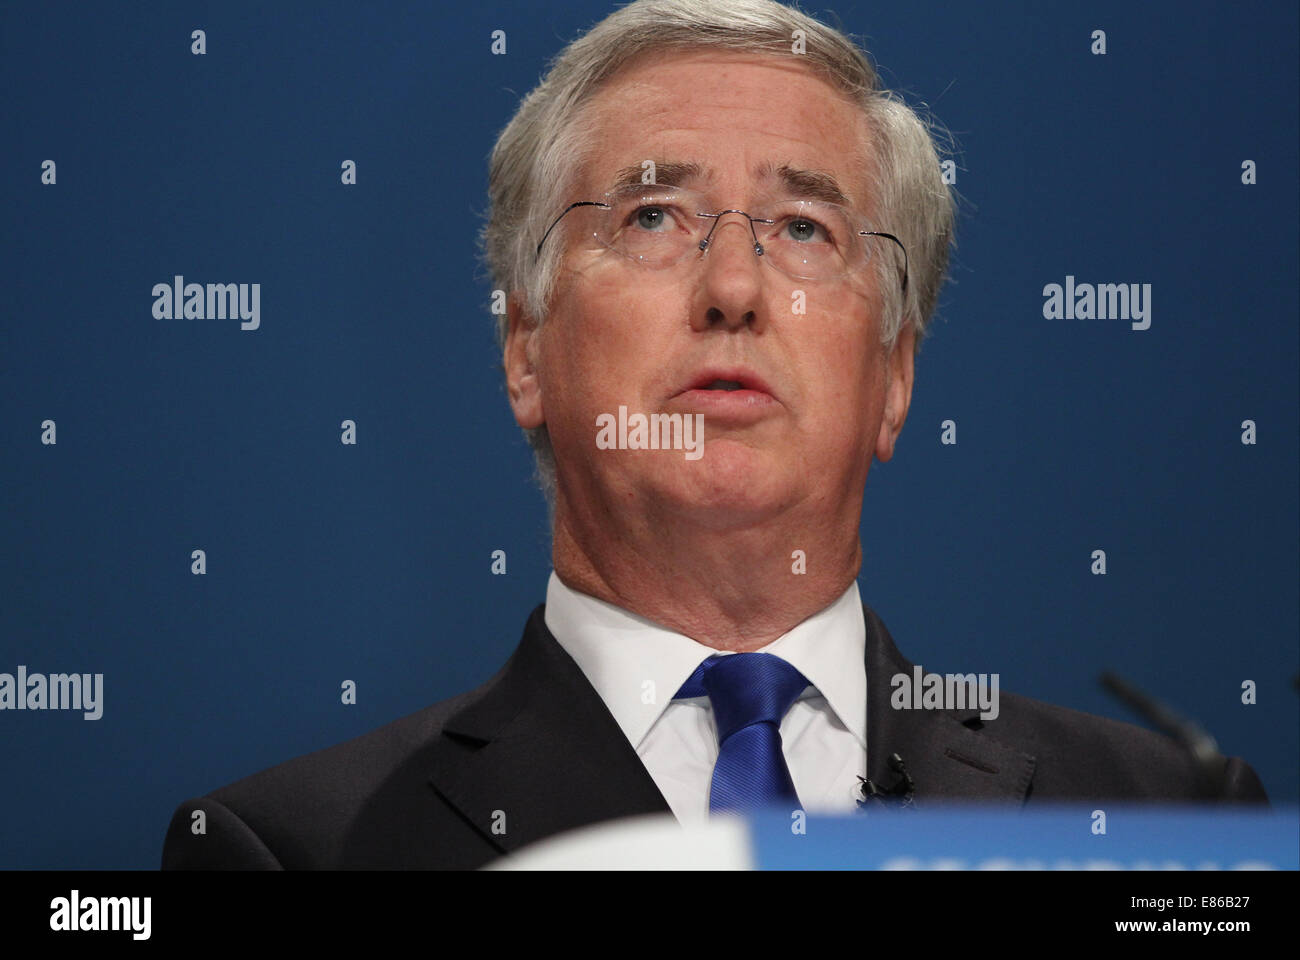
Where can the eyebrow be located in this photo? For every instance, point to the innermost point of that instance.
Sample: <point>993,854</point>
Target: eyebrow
<point>810,184</point>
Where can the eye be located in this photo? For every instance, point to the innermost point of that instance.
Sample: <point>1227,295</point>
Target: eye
<point>804,230</point>
<point>649,218</point>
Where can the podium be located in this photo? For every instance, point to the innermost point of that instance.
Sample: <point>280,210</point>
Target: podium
<point>954,837</point>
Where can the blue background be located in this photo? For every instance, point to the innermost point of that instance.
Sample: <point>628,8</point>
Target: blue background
<point>372,562</point>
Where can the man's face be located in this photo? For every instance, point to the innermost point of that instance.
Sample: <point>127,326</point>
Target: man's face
<point>620,334</point>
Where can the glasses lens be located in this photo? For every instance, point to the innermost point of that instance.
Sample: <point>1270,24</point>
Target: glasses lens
<point>653,225</point>
<point>658,225</point>
<point>807,238</point>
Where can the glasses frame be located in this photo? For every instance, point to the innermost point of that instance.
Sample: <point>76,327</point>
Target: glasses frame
<point>704,244</point>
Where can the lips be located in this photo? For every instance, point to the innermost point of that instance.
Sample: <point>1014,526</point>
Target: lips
<point>727,380</point>
<point>728,397</point>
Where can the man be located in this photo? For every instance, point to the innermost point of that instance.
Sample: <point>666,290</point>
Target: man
<point>721,258</point>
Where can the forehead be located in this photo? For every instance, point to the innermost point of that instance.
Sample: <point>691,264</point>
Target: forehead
<point>727,122</point>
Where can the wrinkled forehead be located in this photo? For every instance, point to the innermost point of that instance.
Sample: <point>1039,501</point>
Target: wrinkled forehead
<point>724,124</point>
<point>768,176</point>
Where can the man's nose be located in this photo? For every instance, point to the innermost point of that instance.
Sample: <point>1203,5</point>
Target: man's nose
<point>733,278</point>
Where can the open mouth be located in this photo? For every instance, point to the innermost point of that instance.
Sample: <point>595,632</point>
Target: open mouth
<point>728,395</point>
<point>728,380</point>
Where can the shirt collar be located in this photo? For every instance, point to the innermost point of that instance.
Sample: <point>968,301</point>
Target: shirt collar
<point>637,665</point>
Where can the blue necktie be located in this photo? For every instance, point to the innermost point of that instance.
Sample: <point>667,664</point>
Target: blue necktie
<point>750,693</point>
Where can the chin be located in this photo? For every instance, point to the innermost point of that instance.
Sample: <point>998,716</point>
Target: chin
<point>731,485</point>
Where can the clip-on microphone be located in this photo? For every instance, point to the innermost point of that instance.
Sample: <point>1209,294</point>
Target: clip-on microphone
<point>898,796</point>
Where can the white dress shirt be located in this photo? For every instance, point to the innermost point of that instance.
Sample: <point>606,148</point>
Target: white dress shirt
<point>636,667</point>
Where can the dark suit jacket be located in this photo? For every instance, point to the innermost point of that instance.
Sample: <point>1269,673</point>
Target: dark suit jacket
<point>537,743</point>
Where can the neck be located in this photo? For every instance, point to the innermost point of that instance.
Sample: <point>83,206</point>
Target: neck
<point>736,589</point>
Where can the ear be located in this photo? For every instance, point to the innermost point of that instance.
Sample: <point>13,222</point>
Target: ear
<point>898,392</point>
<point>523,386</point>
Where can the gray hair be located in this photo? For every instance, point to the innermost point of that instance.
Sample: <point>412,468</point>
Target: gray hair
<point>539,154</point>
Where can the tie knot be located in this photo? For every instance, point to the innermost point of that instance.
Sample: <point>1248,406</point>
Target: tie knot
<point>745,688</point>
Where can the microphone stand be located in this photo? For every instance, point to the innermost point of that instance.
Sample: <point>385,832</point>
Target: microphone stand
<point>1204,751</point>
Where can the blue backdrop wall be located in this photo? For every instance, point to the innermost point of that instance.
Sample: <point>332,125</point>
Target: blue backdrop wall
<point>370,562</point>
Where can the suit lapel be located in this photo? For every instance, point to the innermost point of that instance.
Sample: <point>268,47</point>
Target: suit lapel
<point>946,753</point>
<point>540,752</point>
